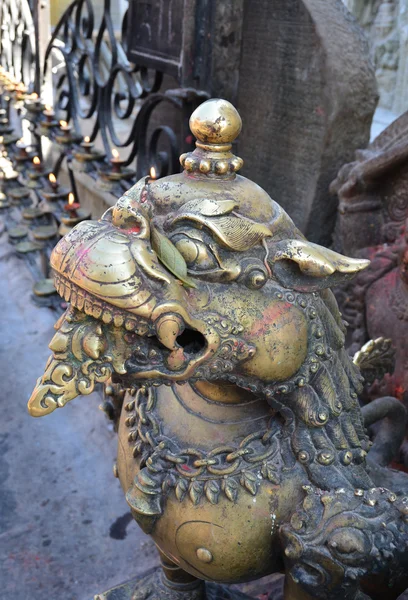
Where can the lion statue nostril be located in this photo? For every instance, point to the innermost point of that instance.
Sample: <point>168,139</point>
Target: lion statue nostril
<point>192,341</point>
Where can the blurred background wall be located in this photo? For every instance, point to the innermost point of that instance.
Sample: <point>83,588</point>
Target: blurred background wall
<point>118,7</point>
<point>385,23</point>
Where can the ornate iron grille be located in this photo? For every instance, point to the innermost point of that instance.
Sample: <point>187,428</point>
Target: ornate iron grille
<point>18,41</point>
<point>102,93</point>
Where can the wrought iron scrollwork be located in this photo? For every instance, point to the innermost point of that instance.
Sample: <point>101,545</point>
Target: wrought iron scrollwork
<point>102,96</point>
<point>110,98</point>
<point>18,41</point>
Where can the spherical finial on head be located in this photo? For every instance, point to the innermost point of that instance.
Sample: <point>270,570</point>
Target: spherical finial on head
<point>216,121</point>
<point>215,124</point>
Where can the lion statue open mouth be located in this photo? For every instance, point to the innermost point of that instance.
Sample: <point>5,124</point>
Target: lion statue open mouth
<point>242,447</point>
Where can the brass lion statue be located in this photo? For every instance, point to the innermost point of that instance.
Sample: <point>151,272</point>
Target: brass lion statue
<point>242,446</point>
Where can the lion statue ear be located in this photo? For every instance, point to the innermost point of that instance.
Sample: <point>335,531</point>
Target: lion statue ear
<point>308,267</point>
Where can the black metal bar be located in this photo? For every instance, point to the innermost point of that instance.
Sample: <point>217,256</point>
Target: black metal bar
<point>37,58</point>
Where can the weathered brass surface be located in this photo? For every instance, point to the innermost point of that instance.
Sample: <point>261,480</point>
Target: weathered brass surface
<point>242,448</point>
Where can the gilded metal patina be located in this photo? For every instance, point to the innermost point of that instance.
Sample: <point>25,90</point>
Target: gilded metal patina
<point>242,448</point>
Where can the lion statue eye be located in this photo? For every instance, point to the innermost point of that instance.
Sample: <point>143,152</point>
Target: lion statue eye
<point>196,254</point>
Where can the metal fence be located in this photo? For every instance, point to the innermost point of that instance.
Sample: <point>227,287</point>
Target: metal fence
<point>111,118</point>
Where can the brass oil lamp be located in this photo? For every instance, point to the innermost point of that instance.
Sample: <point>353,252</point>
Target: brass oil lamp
<point>64,134</point>
<point>242,448</point>
<point>11,192</point>
<point>32,213</point>
<point>36,174</point>
<point>42,228</point>
<point>86,153</point>
<point>22,155</point>
<point>5,126</point>
<point>114,173</point>
<point>18,234</point>
<point>49,119</point>
<point>9,139</point>
<point>20,92</point>
<point>53,192</point>
<point>33,105</point>
<point>19,195</point>
<point>4,201</point>
<point>53,195</point>
<point>72,215</point>
<point>36,216</point>
<point>10,177</point>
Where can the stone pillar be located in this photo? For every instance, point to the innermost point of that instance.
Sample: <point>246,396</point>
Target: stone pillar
<point>401,90</point>
<point>364,11</point>
<point>385,23</point>
<point>385,51</point>
<point>307,94</point>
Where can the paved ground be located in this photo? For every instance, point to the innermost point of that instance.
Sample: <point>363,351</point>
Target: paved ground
<point>65,530</point>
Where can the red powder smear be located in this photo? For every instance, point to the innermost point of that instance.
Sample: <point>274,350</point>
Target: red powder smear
<point>189,139</point>
<point>186,468</point>
<point>84,252</point>
<point>271,315</point>
<point>135,229</point>
<point>397,466</point>
<point>399,392</point>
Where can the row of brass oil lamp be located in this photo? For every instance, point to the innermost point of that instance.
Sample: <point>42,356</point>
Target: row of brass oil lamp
<point>41,195</point>
<point>34,223</point>
<point>83,148</point>
<point>10,87</point>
